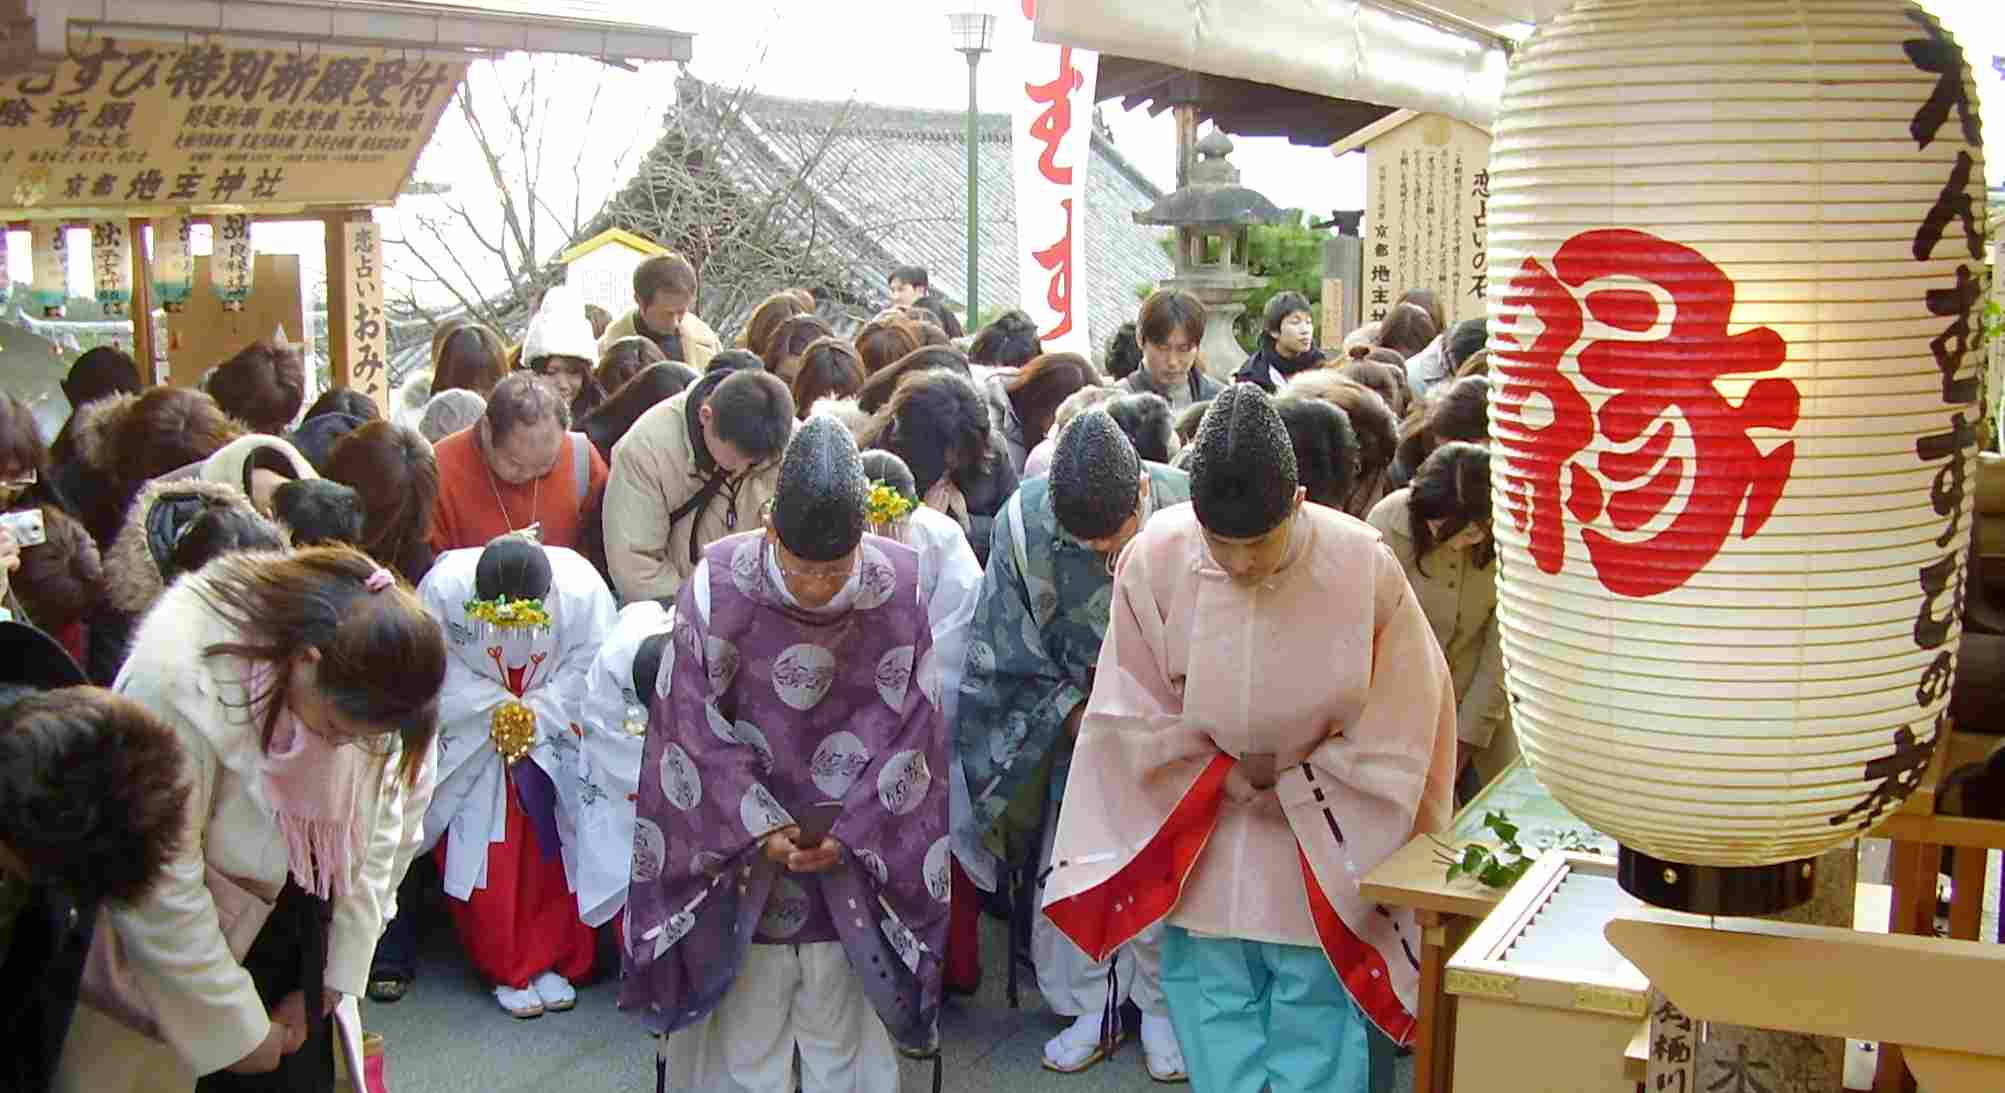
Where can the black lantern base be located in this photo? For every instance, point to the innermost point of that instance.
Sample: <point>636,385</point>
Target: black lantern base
<point>1744,891</point>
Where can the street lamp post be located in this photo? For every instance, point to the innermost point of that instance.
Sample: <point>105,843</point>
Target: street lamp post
<point>972,32</point>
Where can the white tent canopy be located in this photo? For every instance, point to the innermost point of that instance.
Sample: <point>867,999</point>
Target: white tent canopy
<point>611,29</point>
<point>1440,56</point>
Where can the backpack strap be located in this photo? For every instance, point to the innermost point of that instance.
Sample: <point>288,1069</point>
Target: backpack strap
<point>1013,515</point>
<point>581,465</point>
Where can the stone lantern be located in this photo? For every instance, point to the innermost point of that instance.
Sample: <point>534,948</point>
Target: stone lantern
<point>1211,214</point>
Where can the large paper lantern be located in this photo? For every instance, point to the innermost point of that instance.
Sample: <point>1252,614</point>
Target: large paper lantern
<point>1735,257</point>
<point>111,266</point>
<point>173,267</point>
<point>230,260</point>
<point>49,289</point>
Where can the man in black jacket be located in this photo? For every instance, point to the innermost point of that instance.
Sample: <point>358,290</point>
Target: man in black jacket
<point>1287,343</point>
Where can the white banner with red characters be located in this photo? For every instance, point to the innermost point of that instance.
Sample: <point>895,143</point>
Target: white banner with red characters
<point>1051,129</point>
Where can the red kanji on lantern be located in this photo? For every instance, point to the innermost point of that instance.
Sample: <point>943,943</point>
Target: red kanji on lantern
<point>1660,388</point>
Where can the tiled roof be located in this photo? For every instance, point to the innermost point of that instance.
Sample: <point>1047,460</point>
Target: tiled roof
<point>896,179</point>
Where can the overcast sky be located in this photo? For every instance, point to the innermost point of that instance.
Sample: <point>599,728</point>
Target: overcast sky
<point>837,49</point>
<point>843,48</point>
<point>847,48</point>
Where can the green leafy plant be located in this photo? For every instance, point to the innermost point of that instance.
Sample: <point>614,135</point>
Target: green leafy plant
<point>1290,256</point>
<point>1502,865</point>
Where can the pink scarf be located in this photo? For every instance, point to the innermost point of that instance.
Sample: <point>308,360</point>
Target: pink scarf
<point>947,498</point>
<point>311,789</point>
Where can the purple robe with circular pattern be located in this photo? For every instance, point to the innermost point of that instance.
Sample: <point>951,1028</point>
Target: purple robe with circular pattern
<point>772,709</point>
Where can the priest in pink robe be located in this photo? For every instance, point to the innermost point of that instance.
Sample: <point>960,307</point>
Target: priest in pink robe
<point>1272,718</point>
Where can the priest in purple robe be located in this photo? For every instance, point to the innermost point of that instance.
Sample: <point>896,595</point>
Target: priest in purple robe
<point>805,694</point>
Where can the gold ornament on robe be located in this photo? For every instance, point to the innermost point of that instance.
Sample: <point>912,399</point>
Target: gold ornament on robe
<point>513,729</point>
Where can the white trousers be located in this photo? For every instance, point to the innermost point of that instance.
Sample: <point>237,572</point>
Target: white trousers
<point>786,999</point>
<point>1074,986</point>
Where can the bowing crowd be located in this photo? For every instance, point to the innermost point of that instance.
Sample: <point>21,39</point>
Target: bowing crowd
<point>750,676</point>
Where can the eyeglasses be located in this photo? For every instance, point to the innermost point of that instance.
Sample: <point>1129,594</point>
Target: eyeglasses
<point>831,573</point>
<point>817,577</point>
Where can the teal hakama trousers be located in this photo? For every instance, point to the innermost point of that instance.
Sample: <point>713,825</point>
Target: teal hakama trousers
<point>1253,1016</point>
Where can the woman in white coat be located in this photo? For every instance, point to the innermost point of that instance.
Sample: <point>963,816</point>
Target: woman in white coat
<point>227,974</point>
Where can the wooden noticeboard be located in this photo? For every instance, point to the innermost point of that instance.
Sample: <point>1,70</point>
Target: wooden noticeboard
<point>1331,327</point>
<point>1427,212</point>
<point>204,335</point>
<point>130,127</point>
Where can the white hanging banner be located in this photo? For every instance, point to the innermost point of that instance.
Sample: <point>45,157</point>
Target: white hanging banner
<point>1051,129</point>
<point>173,263</point>
<point>50,288</point>
<point>230,260</point>
<point>111,266</point>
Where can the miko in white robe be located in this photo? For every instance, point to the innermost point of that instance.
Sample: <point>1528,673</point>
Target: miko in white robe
<point>545,669</point>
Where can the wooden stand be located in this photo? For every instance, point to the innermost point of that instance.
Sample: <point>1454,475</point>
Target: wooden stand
<point>1823,981</point>
<point>1919,836</point>
<point>1535,982</point>
<point>1448,910</point>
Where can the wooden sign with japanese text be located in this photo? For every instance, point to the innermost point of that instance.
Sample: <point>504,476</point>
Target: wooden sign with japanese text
<point>368,342</point>
<point>137,127</point>
<point>1331,327</point>
<point>1427,196</point>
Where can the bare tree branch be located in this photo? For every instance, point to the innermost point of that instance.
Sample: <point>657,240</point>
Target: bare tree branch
<point>738,192</point>
<point>471,306</point>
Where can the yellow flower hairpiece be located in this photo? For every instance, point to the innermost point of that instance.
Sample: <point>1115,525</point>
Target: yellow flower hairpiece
<point>886,505</point>
<point>503,613</point>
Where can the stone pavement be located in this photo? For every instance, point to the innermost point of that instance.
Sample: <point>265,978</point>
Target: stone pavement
<point>447,1036</point>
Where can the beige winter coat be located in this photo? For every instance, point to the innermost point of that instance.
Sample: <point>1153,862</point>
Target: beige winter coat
<point>133,561</point>
<point>699,342</point>
<point>209,1009</point>
<point>656,472</point>
<point>1460,602</point>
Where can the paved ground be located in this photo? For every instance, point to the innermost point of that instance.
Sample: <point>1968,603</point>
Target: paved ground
<point>447,1036</point>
